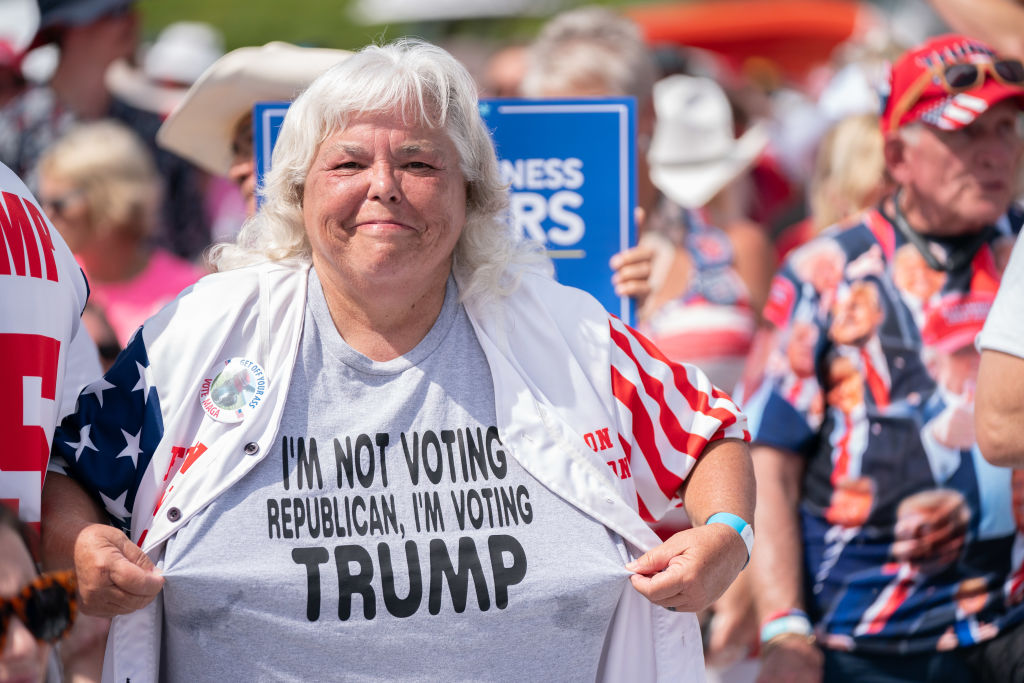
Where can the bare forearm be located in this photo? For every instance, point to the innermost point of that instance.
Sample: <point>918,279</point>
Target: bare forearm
<point>999,408</point>
<point>66,510</point>
<point>721,481</point>
<point>775,566</point>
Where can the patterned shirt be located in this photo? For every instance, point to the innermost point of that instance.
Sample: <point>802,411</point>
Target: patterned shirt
<point>872,381</point>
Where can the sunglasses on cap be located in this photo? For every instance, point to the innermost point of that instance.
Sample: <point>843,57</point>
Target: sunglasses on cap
<point>46,606</point>
<point>956,78</point>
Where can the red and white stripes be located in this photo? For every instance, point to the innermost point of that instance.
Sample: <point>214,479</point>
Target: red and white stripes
<point>668,412</point>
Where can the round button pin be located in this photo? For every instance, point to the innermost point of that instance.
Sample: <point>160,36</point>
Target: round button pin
<point>235,391</point>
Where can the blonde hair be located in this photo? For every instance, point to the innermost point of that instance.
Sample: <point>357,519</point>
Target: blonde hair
<point>114,170</point>
<point>849,172</point>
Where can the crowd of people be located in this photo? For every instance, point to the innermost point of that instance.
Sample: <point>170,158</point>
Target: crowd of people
<point>347,405</point>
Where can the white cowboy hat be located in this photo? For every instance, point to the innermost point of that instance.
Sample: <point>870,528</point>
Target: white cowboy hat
<point>202,125</point>
<point>180,55</point>
<point>693,152</point>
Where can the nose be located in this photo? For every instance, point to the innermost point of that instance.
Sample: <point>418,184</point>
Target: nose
<point>384,186</point>
<point>21,649</point>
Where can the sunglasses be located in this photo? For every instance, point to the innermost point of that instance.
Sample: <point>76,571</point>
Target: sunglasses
<point>956,78</point>
<point>46,606</point>
<point>58,205</point>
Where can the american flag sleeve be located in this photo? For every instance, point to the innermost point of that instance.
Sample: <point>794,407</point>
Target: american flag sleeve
<point>668,412</point>
<point>107,443</point>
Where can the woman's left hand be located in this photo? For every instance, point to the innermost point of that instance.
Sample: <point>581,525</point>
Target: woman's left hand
<point>691,569</point>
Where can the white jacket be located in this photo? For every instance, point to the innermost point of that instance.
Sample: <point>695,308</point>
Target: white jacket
<point>551,350</point>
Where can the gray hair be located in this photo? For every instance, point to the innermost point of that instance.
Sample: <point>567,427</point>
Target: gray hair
<point>428,87</point>
<point>591,48</point>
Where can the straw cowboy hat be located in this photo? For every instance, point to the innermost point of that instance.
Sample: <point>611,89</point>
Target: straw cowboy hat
<point>180,55</point>
<point>693,153</point>
<point>201,127</point>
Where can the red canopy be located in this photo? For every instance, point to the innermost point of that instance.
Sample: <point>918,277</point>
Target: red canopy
<point>795,35</point>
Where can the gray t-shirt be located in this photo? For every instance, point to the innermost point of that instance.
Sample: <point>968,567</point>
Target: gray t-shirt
<point>389,535</point>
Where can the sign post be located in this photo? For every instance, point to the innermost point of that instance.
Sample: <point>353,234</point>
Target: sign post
<point>571,170</point>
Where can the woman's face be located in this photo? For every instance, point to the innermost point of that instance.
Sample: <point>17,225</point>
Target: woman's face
<point>384,205</point>
<point>66,206</point>
<point>23,658</point>
<point>243,167</point>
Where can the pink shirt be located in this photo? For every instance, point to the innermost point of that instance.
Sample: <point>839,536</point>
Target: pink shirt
<point>129,303</point>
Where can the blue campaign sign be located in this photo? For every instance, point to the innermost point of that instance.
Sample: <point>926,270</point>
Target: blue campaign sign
<point>571,167</point>
<point>267,118</point>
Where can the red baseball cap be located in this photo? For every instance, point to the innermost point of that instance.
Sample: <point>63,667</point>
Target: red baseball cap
<point>919,87</point>
<point>954,322</point>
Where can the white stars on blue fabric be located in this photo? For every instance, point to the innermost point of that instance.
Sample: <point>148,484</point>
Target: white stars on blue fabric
<point>116,506</point>
<point>83,442</point>
<point>108,442</point>
<point>96,389</point>
<point>131,447</point>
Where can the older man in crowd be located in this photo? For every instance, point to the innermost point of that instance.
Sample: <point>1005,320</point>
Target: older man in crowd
<point>875,521</point>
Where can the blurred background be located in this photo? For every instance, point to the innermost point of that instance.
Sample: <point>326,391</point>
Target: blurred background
<point>783,33</point>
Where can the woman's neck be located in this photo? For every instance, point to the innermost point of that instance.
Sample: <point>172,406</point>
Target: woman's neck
<point>384,322</point>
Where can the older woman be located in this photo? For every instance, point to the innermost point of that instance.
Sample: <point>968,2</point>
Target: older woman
<point>384,443</point>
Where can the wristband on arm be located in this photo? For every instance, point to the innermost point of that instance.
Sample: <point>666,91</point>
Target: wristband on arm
<point>739,525</point>
<point>788,622</point>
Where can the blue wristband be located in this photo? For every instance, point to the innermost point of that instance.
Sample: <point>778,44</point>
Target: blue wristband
<point>738,524</point>
<point>789,622</point>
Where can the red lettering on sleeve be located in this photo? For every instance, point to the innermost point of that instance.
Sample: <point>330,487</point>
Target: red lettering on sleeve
<point>43,230</point>
<point>19,236</point>
<point>26,447</point>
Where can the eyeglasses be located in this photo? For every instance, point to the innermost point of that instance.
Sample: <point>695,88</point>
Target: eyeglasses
<point>56,206</point>
<point>46,606</point>
<point>956,78</point>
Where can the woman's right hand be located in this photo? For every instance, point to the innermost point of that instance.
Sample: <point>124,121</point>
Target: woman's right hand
<point>114,575</point>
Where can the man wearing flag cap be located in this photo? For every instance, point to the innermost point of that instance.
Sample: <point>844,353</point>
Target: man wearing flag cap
<point>872,592</point>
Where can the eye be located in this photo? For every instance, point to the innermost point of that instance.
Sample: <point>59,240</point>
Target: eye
<point>419,165</point>
<point>1010,128</point>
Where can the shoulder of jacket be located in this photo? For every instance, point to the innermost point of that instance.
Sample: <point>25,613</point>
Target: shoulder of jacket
<point>554,295</point>
<point>221,298</point>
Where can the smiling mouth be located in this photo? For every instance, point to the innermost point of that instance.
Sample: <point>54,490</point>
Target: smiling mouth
<point>383,227</point>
